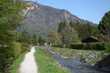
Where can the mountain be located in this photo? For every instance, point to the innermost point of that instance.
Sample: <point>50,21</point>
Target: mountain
<point>42,19</point>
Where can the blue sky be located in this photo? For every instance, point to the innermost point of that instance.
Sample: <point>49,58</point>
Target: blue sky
<point>91,10</point>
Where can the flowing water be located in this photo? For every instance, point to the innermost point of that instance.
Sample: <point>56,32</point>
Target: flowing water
<point>75,65</point>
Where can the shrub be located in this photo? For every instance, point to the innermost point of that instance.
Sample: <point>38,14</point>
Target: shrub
<point>77,46</point>
<point>90,46</point>
<point>9,54</point>
<point>6,58</point>
<point>107,47</point>
<point>95,46</point>
<point>58,46</point>
<point>18,49</point>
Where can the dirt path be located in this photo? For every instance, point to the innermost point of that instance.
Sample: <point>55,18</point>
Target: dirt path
<point>29,64</point>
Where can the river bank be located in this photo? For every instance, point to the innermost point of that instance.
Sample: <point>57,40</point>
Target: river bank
<point>75,65</point>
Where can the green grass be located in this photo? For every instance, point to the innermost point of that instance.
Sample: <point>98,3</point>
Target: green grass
<point>47,64</point>
<point>66,52</point>
<point>15,66</point>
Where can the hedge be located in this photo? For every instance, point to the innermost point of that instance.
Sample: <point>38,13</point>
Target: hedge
<point>89,46</point>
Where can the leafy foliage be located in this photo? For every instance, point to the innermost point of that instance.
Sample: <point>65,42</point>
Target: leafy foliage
<point>107,47</point>
<point>68,34</point>
<point>54,38</point>
<point>85,29</point>
<point>9,19</point>
<point>104,25</point>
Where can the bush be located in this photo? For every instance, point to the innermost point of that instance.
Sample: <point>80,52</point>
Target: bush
<point>95,46</point>
<point>107,47</point>
<point>18,49</point>
<point>90,46</point>
<point>58,46</point>
<point>77,46</point>
<point>9,54</point>
<point>6,58</point>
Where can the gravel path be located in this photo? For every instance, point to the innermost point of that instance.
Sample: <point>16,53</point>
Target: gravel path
<point>29,64</point>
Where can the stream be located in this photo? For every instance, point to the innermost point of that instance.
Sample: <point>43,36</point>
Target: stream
<point>74,65</point>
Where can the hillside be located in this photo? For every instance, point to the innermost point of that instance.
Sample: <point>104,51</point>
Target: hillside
<point>43,19</point>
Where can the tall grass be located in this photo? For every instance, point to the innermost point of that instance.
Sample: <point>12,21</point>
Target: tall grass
<point>47,64</point>
<point>14,68</point>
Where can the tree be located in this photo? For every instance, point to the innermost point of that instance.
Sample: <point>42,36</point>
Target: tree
<point>104,25</point>
<point>85,29</point>
<point>9,19</point>
<point>68,34</point>
<point>61,26</point>
<point>35,39</point>
<point>24,37</point>
<point>41,40</point>
<point>54,38</point>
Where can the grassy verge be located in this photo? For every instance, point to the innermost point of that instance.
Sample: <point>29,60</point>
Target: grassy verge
<point>15,66</point>
<point>47,64</point>
<point>91,56</point>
